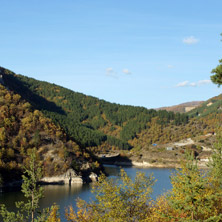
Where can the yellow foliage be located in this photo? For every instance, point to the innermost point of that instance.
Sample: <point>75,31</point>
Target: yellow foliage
<point>16,98</point>
<point>120,201</point>
<point>10,153</point>
<point>86,155</point>
<point>2,135</point>
<point>53,216</point>
<point>83,214</point>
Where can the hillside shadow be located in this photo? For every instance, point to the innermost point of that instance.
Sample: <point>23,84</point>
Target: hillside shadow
<point>38,102</point>
<point>117,160</point>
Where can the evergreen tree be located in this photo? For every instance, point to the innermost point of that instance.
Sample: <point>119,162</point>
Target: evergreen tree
<point>217,77</point>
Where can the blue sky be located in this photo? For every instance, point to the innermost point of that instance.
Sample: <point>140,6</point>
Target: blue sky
<point>143,53</point>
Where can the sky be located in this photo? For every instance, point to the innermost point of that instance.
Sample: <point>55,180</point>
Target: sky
<point>134,52</point>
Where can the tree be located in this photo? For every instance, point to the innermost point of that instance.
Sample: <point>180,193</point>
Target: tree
<point>215,163</point>
<point>192,197</point>
<point>33,192</point>
<point>215,173</point>
<point>217,77</point>
<point>120,200</point>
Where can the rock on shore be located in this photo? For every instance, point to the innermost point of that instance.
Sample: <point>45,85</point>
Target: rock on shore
<point>70,177</point>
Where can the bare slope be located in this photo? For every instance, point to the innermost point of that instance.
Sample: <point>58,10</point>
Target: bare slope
<point>183,107</point>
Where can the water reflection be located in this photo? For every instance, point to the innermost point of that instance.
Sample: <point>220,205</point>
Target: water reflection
<point>53,193</point>
<point>65,195</point>
<point>161,175</point>
<point>112,170</point>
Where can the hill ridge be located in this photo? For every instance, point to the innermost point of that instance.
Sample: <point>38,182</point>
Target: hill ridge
<point>103,126</point>
<point>183,107</point>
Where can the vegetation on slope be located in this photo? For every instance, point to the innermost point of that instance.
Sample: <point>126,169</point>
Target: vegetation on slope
<point>211,106</point>
<point>89,121</point>
<point>195,195</point>
<point>23,128</point>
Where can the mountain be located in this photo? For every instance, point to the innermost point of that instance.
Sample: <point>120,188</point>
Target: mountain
<point>183,107</point>
<point>22,128</point>
<point>89,121</point>
<point>68,127</point>
<point>98,126</point>
<point>209,107</point>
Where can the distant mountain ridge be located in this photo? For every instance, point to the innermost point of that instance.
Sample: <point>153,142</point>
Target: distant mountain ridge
<point>209,107</point>
<point>183,107</point>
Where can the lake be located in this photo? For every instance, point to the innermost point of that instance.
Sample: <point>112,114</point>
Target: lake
<point>65,195</point>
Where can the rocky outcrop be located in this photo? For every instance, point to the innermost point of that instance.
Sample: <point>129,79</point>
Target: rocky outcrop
<point>93,177</point>
<point>70,177</point>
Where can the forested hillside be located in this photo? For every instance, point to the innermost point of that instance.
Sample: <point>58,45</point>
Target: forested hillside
<point>67,127</point>
<point>100,125</point>
<point>23,128</point>
<point>88,120</point>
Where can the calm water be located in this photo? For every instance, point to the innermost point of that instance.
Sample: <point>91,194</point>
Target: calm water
<point>65,195</point>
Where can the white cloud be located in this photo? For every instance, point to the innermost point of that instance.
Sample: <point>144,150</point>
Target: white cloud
<point>190,40</point>
<point>126,71</point>
<point>170,66</point>
<point>193,84</point>
<point>110,72</point>
<point>182,84</point>
<point>203,82</point>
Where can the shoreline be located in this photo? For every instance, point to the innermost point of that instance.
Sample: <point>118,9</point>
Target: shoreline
<point>166,159</point>
<point>145,164</point>
<point>92,177</point>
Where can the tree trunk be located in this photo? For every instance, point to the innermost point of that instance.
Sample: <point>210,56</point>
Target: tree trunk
<point>32,206</point>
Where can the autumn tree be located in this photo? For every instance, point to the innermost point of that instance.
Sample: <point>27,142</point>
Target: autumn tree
<point>192,197</point>
<point>215,173</point>
<point>215,163</point>
<point>116,200</point>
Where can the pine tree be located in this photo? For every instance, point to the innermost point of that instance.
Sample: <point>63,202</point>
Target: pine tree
<point>217,77</point>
